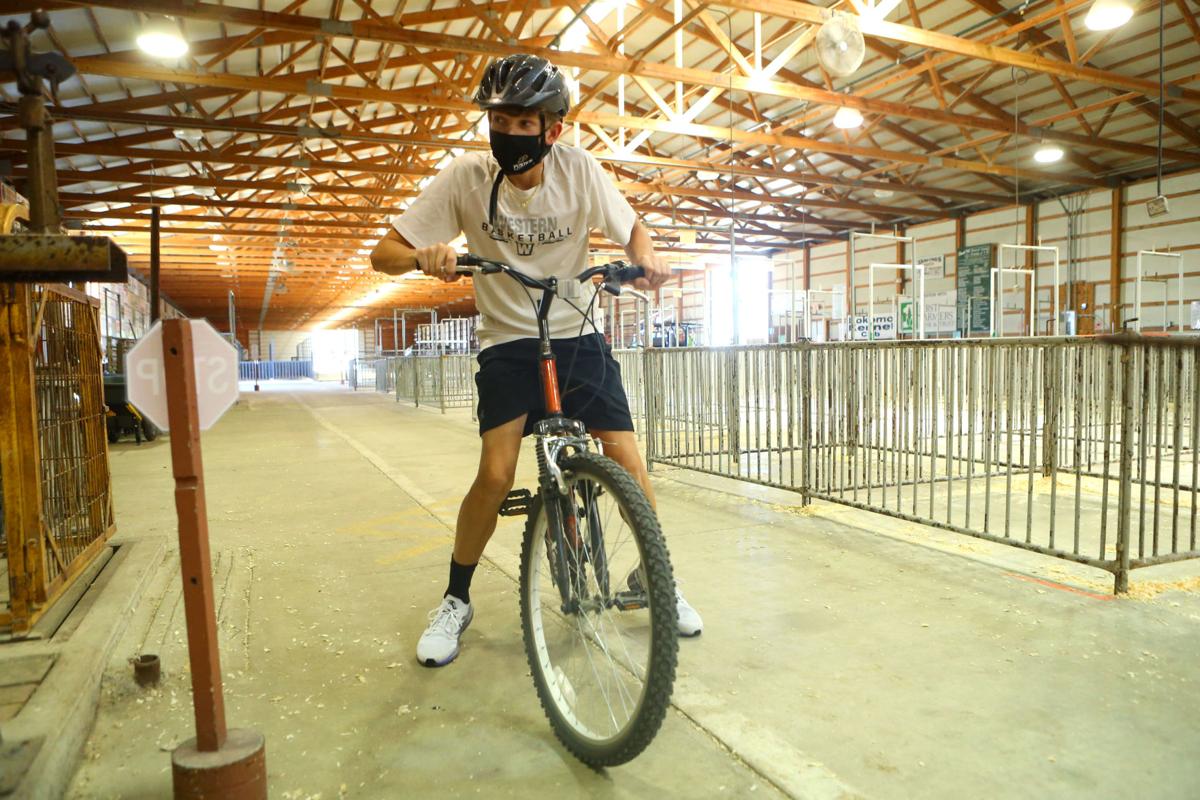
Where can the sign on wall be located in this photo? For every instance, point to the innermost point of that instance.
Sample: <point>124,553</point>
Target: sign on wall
<point>940,318</point>
<point>884,326</point>
<point>973,281</point>
<point>1196,315</point>
<point>935,266</point>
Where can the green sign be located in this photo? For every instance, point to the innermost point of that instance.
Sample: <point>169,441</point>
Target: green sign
<point>974,277</point>
<point>906,316</point>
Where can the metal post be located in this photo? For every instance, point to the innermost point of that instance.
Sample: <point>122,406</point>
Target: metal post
<point>792,301</point>
<point>44,211</point>
<point>650,401</point>
<point>154,262</point>
<point>232,320</point>
<point>442,380</point>
<point>1125,445</point>
<point>733,280</point>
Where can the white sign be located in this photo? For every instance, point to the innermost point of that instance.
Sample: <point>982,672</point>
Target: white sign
<point>884,327</point>
<point>935,266</point>
<point>938,318</point>
<point>1196,315</point>
<point>216,374</point>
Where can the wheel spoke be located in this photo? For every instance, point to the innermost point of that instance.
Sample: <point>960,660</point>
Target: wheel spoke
<point>593,669</point>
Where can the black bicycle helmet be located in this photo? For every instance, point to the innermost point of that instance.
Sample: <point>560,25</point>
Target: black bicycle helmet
<point>523,81</point>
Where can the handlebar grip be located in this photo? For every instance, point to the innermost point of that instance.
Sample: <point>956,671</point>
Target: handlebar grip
<point>468,260</point>
<point>627,274</point>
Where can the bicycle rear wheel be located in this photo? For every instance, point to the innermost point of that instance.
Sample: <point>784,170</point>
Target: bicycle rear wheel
<point>603,659</point>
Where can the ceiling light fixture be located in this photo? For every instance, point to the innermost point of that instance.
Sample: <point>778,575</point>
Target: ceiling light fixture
<point>883,193</point>
<point>189,135</point>
<point>1105,15</point>
<point>161,39</point>
<point>847,118</point>
<point>1048,153</point>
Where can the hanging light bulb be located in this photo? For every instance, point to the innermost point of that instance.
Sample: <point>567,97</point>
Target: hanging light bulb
<point>847,118</point>
<point>1104,15</point>
<point>161,39</point>
<point>1048,153</point>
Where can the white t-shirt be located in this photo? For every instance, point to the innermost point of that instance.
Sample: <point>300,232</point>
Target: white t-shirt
<point>542,232</point>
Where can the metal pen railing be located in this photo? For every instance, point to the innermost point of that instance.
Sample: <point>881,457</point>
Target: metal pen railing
<point>1081,449</point>
<point>441,381</point>
<point>360,372</point>
<point>291,370</point>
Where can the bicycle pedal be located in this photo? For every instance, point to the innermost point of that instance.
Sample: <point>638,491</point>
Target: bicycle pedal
<point>517,503</point>
<point>629,601</point>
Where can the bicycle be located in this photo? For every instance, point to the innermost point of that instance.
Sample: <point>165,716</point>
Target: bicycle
<point>592,553</point>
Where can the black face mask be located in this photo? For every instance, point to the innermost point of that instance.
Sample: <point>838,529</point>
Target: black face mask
<point>517,154</point>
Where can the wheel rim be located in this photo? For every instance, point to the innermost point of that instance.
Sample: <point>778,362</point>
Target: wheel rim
<point>594,659</point>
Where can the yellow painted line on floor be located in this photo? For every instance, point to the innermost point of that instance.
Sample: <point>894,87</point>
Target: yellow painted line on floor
<point>390,525</point>
<point>413,552</point>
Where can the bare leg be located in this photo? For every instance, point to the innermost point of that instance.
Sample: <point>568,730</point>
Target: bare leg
<point>479,509</point>
<point>622,447</point>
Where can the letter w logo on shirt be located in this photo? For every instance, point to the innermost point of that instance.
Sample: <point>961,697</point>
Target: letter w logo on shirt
<point>525,248</point>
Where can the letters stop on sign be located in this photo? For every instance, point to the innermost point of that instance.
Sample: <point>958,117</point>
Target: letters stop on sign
<point>216,367</point>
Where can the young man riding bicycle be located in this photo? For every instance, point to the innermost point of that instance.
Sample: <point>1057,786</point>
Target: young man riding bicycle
<point>530,202</point>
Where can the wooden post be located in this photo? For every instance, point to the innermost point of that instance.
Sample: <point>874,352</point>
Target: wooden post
<point>807,266</point>
<point>194,559</point>
<point>218,763</point>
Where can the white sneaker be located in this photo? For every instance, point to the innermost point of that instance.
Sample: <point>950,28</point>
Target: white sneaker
<point>439,643</point>
<point>689,623</point>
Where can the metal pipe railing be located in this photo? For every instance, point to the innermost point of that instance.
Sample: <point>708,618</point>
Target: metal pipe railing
<point>1084,449</point>
<point>275,370</point>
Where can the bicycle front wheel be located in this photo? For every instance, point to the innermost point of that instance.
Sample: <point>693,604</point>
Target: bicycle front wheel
<point>598,612</point>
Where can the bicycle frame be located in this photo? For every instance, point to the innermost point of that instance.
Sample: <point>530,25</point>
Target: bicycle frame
<point>553,435</point>
<point>557,433</point>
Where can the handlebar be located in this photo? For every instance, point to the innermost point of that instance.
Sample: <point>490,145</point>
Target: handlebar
<point>613,274</point>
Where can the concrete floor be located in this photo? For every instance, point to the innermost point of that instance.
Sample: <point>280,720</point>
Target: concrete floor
<point>844,654</point>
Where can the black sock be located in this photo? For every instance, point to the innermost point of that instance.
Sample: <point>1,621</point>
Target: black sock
<point>460,580</point>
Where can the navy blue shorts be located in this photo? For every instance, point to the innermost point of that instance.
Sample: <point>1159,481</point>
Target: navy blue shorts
<point>589,380</point>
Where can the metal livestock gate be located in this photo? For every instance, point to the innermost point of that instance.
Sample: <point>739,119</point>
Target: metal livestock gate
<point>57,501</point>
<point>1083,449</point>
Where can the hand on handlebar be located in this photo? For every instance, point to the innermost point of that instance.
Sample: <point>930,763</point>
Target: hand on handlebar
<point>438,261</point>
<point>658,271</point>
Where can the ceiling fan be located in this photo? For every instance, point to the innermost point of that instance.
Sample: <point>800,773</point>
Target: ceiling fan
<point>840,45</point>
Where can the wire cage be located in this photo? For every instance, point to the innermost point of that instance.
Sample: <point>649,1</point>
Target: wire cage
<point>57,510</point>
